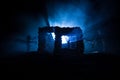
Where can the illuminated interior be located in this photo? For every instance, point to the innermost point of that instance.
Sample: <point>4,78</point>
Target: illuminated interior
<point>64,38</point>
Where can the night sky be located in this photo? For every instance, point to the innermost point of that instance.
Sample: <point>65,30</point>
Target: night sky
<point>98,19</point>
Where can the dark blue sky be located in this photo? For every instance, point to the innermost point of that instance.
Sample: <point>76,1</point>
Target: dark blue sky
<point>97,18</point>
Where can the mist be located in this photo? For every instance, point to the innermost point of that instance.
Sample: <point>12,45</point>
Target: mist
<point>92,16</point>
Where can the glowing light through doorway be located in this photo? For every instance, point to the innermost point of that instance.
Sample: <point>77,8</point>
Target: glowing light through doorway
<point>64,38</point>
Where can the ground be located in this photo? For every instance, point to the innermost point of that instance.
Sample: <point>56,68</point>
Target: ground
<point>34,64</point>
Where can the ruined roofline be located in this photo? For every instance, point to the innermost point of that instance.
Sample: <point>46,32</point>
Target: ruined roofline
<point>64,30</point>
<point>57,27</point>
